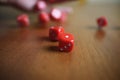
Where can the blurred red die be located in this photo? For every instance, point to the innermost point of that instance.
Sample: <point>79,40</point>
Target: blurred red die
<point>102,22</point>
<point>23,20</point>
<point>44,17</point>
<point>55,32</point>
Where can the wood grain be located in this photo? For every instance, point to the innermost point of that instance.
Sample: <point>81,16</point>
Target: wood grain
<point>27,53</point>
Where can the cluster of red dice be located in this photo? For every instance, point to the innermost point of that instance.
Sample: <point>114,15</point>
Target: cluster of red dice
<point>43,17</point>
<point>56,33</point>
<point>66,40</point>
<point>55,15</point>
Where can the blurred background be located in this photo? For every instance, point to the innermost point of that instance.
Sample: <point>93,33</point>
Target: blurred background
<point>103,1</point>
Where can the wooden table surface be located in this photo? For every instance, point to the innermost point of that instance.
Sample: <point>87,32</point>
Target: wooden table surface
<point>27,53</point>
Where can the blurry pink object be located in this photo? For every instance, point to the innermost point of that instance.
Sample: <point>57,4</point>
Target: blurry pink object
<point>58,15</point>
<point>40,5</point>
<point>55,14</point>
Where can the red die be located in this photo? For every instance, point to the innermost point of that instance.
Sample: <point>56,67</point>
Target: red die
<point>56,14</point>
<point>40,5</point>
<point>102,21</point>
<point>66,42</point>
<point>23,20</point>
<point>44,17</point>
<point>54,32</point>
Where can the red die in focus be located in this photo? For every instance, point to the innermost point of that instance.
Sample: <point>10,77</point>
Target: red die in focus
<point>40,5</point>
<point>56,14</point>
<point>102,21</point>
<point>66,42</point>
<point>44,17</point>
<point>54,32</point>
<point>23,20</point>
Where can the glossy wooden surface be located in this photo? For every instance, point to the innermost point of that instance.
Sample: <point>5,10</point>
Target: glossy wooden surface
<point>27,53</point>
